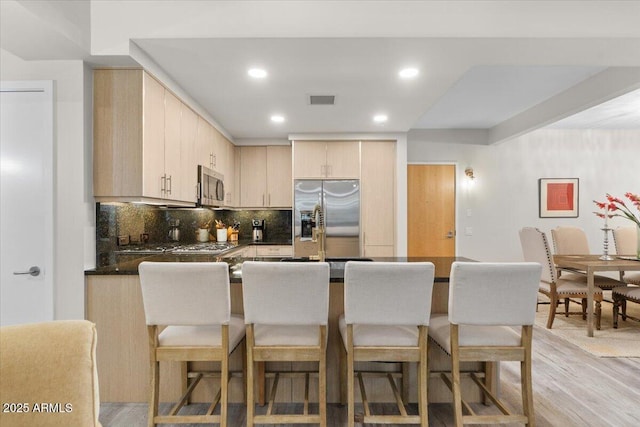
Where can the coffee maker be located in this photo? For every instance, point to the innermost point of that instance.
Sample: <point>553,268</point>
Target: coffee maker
<point>258,230</point>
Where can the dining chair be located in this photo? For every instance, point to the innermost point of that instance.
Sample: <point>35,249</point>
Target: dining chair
<point>286,308</point>
<point>621,295</point>
<point>486,302</point>
<point>625,240</point>
<point>573,241</point>
<point>535,248</point>
<point>386,319</point>
<point>191,300</point>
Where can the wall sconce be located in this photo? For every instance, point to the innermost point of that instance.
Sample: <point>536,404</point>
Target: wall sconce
<point>469,172</point>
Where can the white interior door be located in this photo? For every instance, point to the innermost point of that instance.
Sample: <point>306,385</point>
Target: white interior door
<point>26,208</point>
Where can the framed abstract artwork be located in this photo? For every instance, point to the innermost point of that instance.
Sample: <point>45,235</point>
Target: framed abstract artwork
<point>558,197</point>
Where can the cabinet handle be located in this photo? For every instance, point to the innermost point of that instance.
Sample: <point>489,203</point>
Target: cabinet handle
<point>215,160</point>
<point>169,187</point>
<point>163,183</point>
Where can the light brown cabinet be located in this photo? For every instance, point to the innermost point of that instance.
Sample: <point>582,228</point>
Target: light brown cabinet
<point>377,198</point>
<point>265,176</point>
<point>136,137</point>
<point>326,159</point>
<point>147,142</point>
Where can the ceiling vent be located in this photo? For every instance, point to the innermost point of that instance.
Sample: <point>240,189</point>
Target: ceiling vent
<point>322,99</point>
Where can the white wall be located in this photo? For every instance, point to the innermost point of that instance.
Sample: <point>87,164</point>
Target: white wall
<point>74,217</point>
<point>505,195</point>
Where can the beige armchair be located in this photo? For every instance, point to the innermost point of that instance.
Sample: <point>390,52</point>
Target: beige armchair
<point>48,374</point>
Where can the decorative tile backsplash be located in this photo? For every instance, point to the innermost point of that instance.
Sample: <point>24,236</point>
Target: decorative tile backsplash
<point>140,224</point>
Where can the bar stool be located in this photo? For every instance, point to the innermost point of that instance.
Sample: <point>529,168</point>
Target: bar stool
<point>485,301</point>
<point>286,308</point>
<point>192,299</point>
<point>386,318</point>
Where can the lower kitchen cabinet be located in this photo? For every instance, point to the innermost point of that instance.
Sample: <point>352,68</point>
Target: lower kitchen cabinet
<point>274,251</point>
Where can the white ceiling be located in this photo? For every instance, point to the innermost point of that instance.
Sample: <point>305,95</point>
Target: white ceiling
<point>513,77</point>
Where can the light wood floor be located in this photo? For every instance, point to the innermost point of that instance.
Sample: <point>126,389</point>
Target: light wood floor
<point>571,388</point>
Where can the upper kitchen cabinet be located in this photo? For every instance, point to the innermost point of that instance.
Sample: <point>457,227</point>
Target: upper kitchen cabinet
<point>265,176</point>
<point>188,156</point>
<point>137,139</point>
<point>377,186</point>
<point>326,159</point>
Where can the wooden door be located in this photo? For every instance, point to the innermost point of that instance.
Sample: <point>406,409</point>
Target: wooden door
<point>431,210</point>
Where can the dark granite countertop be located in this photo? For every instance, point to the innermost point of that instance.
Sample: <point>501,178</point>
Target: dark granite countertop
<point>442,264</point>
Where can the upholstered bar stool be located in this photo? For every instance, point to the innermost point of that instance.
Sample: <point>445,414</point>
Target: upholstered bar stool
<point>192,300</point>
<point>486,300</point>
<point>573,241</point>
<point>386,317</point>
<point>625,239</point>
<point>535,248</point>
<point>286,308</point>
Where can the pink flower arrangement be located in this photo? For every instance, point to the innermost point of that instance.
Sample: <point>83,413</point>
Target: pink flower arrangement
<point>619,208</point>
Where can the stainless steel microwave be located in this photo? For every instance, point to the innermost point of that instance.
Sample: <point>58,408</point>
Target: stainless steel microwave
<point>210,187</point>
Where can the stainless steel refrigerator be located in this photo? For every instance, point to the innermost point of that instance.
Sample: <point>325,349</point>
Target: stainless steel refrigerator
<point>340,204</point>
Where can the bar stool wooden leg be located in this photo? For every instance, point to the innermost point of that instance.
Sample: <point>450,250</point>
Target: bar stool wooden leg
<point>455,374</point>
<point>250,379</point>
<point>525,373</point>
<point>423,378</point>
<point>343,375</point>
<point>154,376</point>
<point>350,379</point>
<point>322,379</point>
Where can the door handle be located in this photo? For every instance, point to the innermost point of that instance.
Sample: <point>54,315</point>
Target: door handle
<point>450,235</point>
<point>33,271</point>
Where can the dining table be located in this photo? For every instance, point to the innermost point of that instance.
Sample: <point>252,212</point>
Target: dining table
<point>590,264</point>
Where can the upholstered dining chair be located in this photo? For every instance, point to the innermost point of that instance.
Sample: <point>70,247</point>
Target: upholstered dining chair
<point>625,239</point>
<point>286,308</point>
<point>386,318</point>
<point>486,300</point>
<point>535,248</point>
<point>573,241</point>
<point>191,300</point>
<point>621,295</point>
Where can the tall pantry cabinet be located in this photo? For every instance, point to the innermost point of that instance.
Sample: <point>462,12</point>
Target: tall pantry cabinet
<point>377,194</point>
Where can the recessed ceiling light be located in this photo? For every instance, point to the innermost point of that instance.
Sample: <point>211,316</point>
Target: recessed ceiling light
<point>277,118</point>
<point>380,118</point>
<point>257,73</point>
<point>408,73</point>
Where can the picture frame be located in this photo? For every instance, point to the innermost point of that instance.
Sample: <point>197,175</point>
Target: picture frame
<point>558,197</point>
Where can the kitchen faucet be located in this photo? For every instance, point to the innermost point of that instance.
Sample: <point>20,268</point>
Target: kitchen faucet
<point>319,232</point>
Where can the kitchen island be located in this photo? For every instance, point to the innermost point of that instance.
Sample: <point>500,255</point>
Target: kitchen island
<point>114,303</point>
